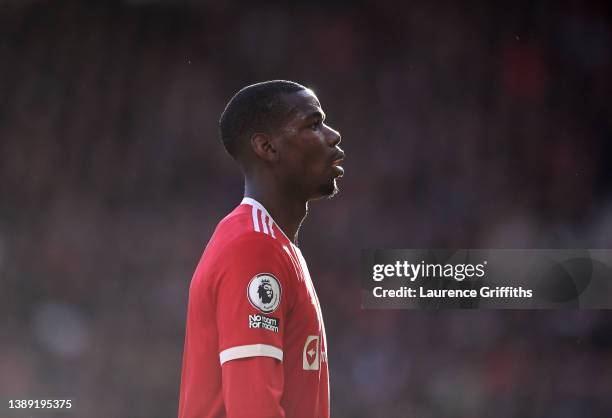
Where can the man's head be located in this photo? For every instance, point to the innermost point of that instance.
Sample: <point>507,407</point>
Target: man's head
<point>276,130</point>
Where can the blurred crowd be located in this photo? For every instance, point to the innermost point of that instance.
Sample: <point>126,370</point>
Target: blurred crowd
<point>466,125</point>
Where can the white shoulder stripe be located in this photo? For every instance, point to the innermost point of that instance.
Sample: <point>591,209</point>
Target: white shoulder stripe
<point>253,350</point>
<point>255,219</point>
<point>263,223</point>
<point>270,223</point>
<point>266,223</point>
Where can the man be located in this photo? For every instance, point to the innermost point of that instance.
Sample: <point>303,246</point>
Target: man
<point>255,342</point>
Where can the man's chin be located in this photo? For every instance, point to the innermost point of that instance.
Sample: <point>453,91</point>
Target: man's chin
<point>328,191</point>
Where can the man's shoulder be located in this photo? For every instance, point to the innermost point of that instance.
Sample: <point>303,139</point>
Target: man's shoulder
<point>238,250</point>
<point>239,231</point>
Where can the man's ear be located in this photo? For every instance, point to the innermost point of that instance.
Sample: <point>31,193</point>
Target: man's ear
<point>263,146</point>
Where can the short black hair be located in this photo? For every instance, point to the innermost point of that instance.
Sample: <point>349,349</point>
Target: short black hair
<point>255,108</point>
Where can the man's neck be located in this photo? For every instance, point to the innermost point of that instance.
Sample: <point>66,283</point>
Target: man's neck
<point>287,211</point>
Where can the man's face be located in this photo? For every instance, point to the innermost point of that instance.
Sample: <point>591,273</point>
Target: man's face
<point>309,154</point>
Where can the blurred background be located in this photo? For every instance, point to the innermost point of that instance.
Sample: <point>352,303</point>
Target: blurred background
<point>466,124</point>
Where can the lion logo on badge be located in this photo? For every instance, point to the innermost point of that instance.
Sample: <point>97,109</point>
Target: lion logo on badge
<point>264,292</point>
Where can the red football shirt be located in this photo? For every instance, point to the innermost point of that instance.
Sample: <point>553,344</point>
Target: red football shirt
<point>251,296</point>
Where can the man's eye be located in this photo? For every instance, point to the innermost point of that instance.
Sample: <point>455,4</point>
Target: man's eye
<point>315,126</point>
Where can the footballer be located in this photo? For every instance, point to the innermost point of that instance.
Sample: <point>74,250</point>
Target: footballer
<point>255,341</point>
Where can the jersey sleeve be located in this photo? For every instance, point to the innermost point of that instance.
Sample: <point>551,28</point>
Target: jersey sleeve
<point>253,388</point>
<point>253,297</point>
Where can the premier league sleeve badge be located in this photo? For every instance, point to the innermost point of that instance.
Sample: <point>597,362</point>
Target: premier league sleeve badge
<point>264,292</point>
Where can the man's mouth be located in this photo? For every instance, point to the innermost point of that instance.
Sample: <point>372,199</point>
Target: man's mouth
<point>338,159</point>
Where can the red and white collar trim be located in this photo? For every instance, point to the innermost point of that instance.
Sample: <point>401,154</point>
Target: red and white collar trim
<point>262,221</point>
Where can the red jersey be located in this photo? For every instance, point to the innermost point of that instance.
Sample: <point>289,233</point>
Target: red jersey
<point>251,296</point>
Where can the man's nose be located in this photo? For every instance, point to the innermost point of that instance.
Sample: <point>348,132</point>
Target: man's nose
<point>334,137</point>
